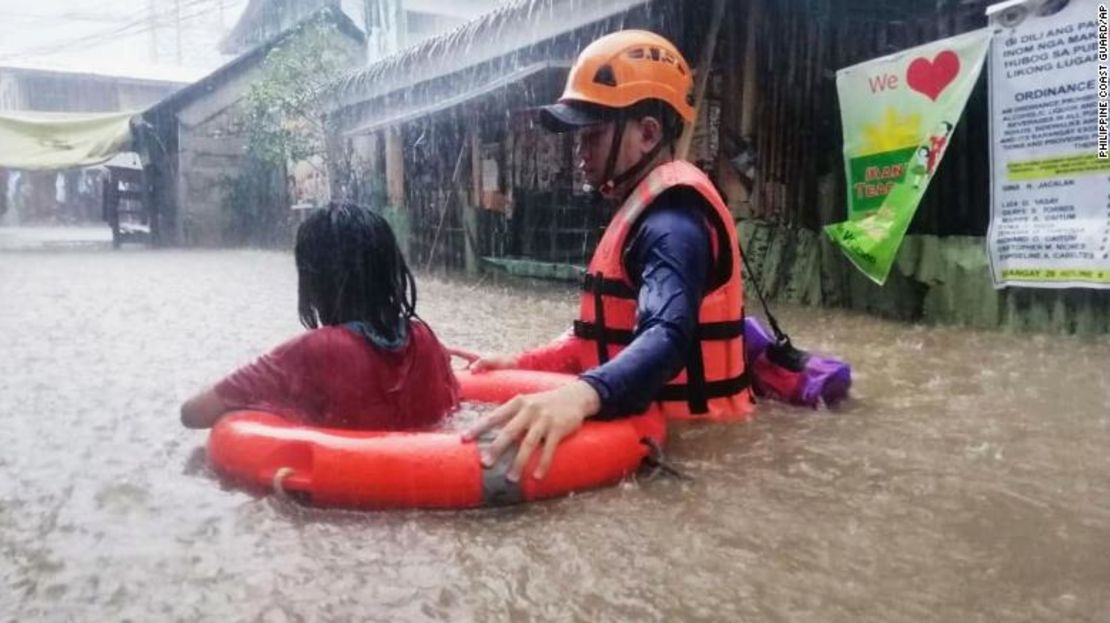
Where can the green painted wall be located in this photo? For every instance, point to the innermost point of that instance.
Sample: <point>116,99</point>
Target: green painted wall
<point>935,280</point>
<point>939,280</point>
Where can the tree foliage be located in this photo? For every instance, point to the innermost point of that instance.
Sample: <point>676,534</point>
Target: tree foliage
<point>284,120</point>
<point>286,109</point>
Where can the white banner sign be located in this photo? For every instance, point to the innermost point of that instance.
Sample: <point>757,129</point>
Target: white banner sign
<point>1050,195</point>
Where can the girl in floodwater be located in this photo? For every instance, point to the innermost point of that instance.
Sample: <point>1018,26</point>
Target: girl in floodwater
<point>367,360</point>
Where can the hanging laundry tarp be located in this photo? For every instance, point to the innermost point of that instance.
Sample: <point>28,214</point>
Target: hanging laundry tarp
<point>42,141</point>
<point>898,113</point>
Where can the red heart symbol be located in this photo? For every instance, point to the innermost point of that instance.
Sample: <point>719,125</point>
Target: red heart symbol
<point>930,78</point>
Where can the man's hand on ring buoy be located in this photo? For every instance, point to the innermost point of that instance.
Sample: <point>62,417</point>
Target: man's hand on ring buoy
<point>533,419</point>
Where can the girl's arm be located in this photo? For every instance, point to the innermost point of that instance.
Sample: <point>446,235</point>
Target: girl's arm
<point>203,409</point>
<point>277,381</point>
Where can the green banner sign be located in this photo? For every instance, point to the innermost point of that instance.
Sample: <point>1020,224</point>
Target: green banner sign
<point>898,113</point>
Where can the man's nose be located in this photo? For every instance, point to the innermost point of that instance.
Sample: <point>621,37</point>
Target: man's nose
<point>579,149</point>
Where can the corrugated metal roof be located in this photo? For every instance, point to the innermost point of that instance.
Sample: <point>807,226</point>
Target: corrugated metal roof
<point>515,26</point>
<point>130,72</point>
<point>411,112</point>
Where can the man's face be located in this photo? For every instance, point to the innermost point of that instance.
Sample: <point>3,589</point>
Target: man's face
<point>592,145</point>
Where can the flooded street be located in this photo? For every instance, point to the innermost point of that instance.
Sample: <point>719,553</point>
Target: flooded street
<point>967,480</point>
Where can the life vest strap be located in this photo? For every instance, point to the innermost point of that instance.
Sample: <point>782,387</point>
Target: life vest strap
<point>696,398</point>
<point>602,340</point>
<point>616,288</point>
<point>708,331</point>
<point>680,392</point>
<point>590,331</point>
<point>727,330</point>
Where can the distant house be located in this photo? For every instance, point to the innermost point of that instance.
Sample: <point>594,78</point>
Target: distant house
<point>26,86</point>
<point>195,142</point>
<point>40,87</point>
<point>389,25</point>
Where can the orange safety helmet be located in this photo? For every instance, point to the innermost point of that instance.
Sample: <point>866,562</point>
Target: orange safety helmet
<point>617,71</point>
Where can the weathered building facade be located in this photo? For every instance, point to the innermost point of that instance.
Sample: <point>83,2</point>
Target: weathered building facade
<point>449,147</point>
<point>197,145</point>
<point>71,195</point>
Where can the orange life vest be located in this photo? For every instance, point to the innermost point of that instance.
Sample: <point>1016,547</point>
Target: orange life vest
<point>714,384</point>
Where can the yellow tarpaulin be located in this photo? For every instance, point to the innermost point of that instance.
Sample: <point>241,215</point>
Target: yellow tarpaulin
<point>42,141</point>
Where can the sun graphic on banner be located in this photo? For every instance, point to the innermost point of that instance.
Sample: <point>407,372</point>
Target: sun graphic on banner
<point>893,132</point>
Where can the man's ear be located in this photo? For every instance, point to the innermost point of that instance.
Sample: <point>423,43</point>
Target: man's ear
<point>651,131</point>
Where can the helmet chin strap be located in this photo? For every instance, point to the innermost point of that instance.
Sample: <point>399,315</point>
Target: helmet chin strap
<point>613,181</point>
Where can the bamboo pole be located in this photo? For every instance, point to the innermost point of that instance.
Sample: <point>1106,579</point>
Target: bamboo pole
<point>791,160</point>
<point>747,105</point>
<point>394,167</point>
<point>705,64</point>
<point>447,204</point>
<point>470,209</point>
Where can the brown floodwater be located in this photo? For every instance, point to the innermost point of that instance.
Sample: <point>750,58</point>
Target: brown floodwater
<point>968,479</point>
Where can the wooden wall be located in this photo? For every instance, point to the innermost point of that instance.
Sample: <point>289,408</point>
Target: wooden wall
<point>780,90</point>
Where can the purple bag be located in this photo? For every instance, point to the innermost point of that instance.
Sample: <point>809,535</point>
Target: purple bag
<point>785,373</point>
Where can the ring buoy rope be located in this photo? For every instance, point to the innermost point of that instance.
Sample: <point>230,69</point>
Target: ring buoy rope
<point>376,469</point>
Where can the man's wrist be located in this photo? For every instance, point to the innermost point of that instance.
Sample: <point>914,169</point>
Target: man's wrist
<point>590,399</point>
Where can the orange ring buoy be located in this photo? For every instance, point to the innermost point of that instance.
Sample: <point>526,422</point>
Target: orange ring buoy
<point>376,469</point>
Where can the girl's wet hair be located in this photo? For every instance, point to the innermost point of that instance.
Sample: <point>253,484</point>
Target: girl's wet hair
<point>350,269</point>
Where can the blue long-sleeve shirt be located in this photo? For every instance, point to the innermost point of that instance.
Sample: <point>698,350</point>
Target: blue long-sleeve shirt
<point>668,259</point>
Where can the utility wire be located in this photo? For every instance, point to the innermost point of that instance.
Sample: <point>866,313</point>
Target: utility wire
<point>133,28</point>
